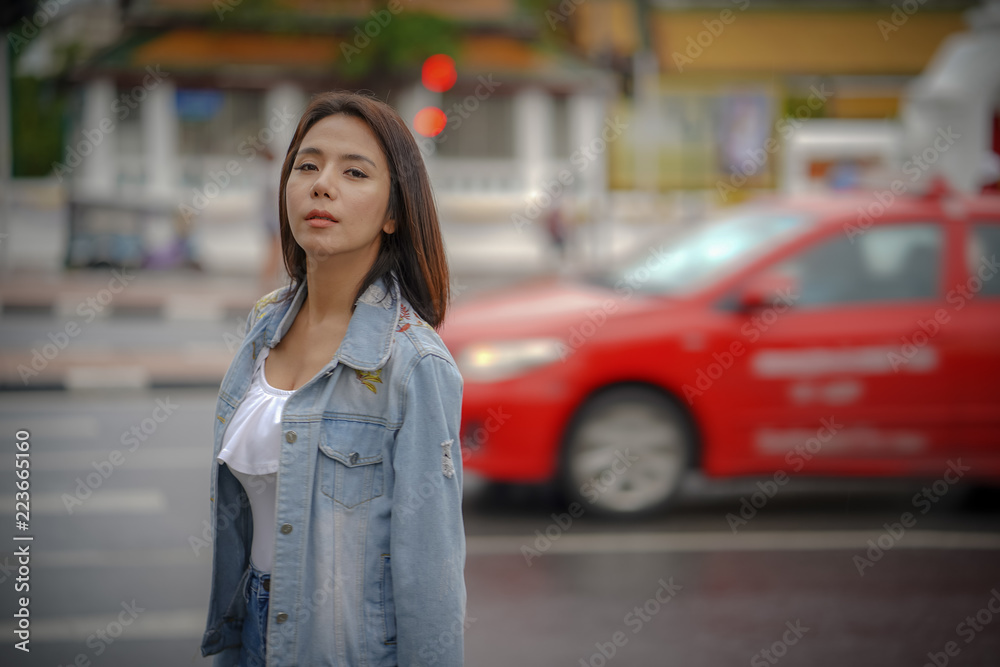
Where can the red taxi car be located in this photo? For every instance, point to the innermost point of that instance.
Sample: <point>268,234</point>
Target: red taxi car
<point>818,337</point>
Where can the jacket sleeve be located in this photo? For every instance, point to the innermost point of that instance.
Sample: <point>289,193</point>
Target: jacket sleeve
<point>427,540</point>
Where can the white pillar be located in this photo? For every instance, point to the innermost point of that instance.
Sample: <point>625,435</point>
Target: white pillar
<point>6,158</point>
<point>587,122</point>
<point>534,112</point>
<point>407,104</point>
<point>160,129</point>
<point>647,122</point>
<point>283,107</point>
<point>97,176</point>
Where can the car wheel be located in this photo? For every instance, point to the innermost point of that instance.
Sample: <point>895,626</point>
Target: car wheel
<point>627,452</point>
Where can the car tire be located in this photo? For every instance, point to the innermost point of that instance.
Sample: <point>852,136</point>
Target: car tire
<point>626,452</point>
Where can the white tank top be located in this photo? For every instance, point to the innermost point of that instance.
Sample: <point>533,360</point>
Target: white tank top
<point>251,447</point>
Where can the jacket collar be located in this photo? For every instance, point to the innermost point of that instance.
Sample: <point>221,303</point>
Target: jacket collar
<point>366,344</point>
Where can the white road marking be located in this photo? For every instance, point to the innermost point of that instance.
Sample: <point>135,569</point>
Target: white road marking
<point>149,625</point>
<point>106,377</point>
<point>796,540</point>
<point>101,501</point>
<point>47,427</point>
<point>187,458</point>
<point>116,558</point>
<point>190,623</point>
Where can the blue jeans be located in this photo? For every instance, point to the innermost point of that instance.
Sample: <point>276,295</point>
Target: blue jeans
<point>255,623</point>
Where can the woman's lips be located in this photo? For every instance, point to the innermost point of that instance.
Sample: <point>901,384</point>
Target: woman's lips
<point>320,222</point>
<point>318,218</point>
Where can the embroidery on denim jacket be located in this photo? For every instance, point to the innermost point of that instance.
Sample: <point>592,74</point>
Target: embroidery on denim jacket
<point>369,377</point>
<point>258,308</point>
<point>447,465</point>
<point>406,318</point>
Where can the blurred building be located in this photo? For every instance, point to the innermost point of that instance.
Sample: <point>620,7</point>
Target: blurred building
<point>652,110</point>
<point>195,91</point>
<point>726,87</point>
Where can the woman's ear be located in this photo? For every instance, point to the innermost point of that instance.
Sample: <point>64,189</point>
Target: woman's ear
<point>390,226</point>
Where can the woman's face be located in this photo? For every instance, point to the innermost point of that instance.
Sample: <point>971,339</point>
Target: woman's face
<point>337,194</point>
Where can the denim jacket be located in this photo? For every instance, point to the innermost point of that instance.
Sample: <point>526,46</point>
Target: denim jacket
<point>369,545</point>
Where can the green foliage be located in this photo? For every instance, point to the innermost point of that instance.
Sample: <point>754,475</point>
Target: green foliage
<point>270,15</point>
<point>793,103</point>
<point>38,106</point>
<point>402,44</point>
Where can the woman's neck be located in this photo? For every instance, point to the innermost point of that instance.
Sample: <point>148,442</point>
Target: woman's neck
<point>332,287</point>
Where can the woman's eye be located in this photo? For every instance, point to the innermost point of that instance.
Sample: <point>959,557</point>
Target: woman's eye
<point>306,166</point>
<point>356,173</point>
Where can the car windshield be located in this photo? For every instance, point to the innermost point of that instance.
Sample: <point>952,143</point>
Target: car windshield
<point>706,253</point>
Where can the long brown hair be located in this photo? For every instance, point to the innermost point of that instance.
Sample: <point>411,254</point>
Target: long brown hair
<point>414,251</point>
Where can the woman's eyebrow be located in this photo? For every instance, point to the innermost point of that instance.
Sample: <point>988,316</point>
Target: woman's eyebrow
<point>310,150</point>
<point>349,157</point>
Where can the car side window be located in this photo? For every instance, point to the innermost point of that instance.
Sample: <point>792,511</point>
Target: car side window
<point>893,262</point>
<point>981,256</point>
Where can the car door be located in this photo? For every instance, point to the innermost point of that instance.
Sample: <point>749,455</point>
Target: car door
<point>854,375</point>
<point>974,302</point>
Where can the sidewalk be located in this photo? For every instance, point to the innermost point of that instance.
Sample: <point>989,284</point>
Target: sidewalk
<point>163,328</point>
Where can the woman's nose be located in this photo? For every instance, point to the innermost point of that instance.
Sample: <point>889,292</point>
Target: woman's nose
<point>323,186</point>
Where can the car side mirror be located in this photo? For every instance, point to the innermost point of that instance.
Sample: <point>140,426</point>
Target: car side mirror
<point>768,291</point>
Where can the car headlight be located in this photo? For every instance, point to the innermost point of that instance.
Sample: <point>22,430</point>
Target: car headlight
<point>499,360</point>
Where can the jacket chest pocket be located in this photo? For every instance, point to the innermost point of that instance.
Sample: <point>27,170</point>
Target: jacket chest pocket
<point>351,461</point>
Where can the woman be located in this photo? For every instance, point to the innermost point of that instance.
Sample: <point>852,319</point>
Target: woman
<point>337,485</point>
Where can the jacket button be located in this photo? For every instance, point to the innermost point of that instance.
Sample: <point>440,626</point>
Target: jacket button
<point>286,528</point>
<point>290,436</point>
<point>354,458</point>
<point>281,618</point>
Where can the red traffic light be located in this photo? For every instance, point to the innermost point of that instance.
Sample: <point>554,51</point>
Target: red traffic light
<point>438,73</point>
<point>430,121</point>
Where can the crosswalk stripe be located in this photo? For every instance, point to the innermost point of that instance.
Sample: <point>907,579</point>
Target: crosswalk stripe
<point>187,458</point>
<point>101,501</point>
<point>792,540</point>
<point>147,625</point>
